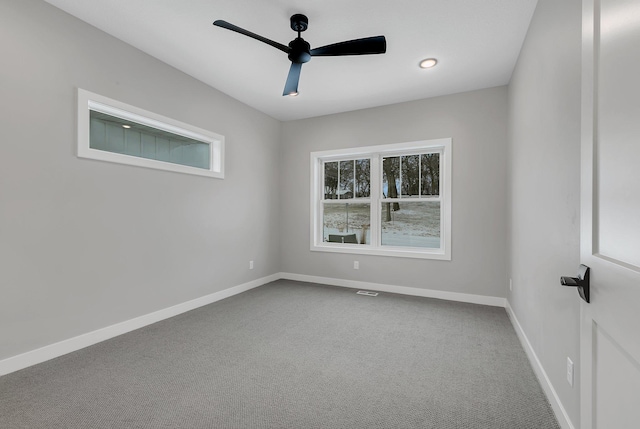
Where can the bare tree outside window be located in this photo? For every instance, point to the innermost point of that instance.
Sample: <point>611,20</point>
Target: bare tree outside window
<point>346,180</point>
<point>430,174</point>
<point>363,174</point>
<point>331,180</point>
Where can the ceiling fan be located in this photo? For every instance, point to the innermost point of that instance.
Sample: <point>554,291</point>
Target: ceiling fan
<point>300,51</point>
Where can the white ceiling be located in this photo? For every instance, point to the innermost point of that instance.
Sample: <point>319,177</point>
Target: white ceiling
<point>476,42</point>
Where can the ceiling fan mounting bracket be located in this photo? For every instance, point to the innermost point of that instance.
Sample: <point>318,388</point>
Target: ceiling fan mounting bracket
<point>299,22</point>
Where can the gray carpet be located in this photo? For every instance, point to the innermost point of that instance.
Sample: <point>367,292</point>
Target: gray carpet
<point>293,355</point>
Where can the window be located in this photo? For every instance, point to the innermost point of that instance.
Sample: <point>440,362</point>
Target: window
<point>392,200</point>
<point>109,130</point>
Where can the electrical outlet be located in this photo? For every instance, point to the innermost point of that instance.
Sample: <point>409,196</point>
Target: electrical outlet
<point>570,372</point>
<point>356,265</point>
<point>251,265</point>
<point>510,285</point>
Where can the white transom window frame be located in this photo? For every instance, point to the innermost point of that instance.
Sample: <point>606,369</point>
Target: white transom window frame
<point>88,101</point>
<point>375,154</point>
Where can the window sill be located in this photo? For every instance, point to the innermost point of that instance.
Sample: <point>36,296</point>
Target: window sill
<point>359,249</point>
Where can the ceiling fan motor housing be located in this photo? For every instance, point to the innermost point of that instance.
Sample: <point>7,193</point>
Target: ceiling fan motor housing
<point>300,51</point>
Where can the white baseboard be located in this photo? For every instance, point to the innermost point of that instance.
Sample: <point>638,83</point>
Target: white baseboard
<point>554,399</point>
<point>43,354</point>
<point>51,351</point>
<point>403,290</point>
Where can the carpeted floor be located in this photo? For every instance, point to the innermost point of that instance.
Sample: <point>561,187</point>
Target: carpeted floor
<point>293,355</point>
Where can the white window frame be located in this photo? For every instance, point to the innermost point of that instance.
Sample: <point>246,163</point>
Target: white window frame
<point>88,101</point>
<point>376,153</point>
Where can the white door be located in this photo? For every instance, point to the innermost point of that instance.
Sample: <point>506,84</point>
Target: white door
<point>610,210</point>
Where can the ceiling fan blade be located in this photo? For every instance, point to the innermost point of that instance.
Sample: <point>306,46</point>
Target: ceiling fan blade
<point>366,46</point>
<point>291,87</point>
<point>228,26</point>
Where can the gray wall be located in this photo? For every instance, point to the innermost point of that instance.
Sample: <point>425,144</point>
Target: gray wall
<point>476,121</point>
<point>86,244</point>
<point>544,188</point>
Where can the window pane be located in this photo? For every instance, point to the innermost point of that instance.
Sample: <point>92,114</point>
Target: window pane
<point>411,224</point>
<point>330,180</point>
<point>112,134</point>
<point>133,142</point>
<point>390,176</point>
<point>363,178</point>
<point>411,175</point>
<point>162,149</point>
<point>430,174</point>
<point>346,180</point>
<point>346,223</point>
<point>98,135</point>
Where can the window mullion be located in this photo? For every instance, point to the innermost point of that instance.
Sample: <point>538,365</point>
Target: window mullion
<point>400,173</point>
<point>375,186</point>
<point>353,185</point>
<point>318,231</point>
<point>420,175</point>
<point>338,184</point>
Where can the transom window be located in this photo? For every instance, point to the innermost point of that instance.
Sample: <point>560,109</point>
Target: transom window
<point>109,130</point>
<point>386,200</point>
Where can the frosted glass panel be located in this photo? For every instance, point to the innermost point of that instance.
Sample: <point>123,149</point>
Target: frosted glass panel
<point>116,135</point>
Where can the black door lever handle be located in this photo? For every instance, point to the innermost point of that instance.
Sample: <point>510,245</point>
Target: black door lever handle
<point>569,281</point>
<point>581,282</point>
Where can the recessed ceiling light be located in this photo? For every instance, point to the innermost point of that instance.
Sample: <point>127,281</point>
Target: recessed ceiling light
<point>428,63</point>
<point>293,94</point>
<point>126,126</point>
